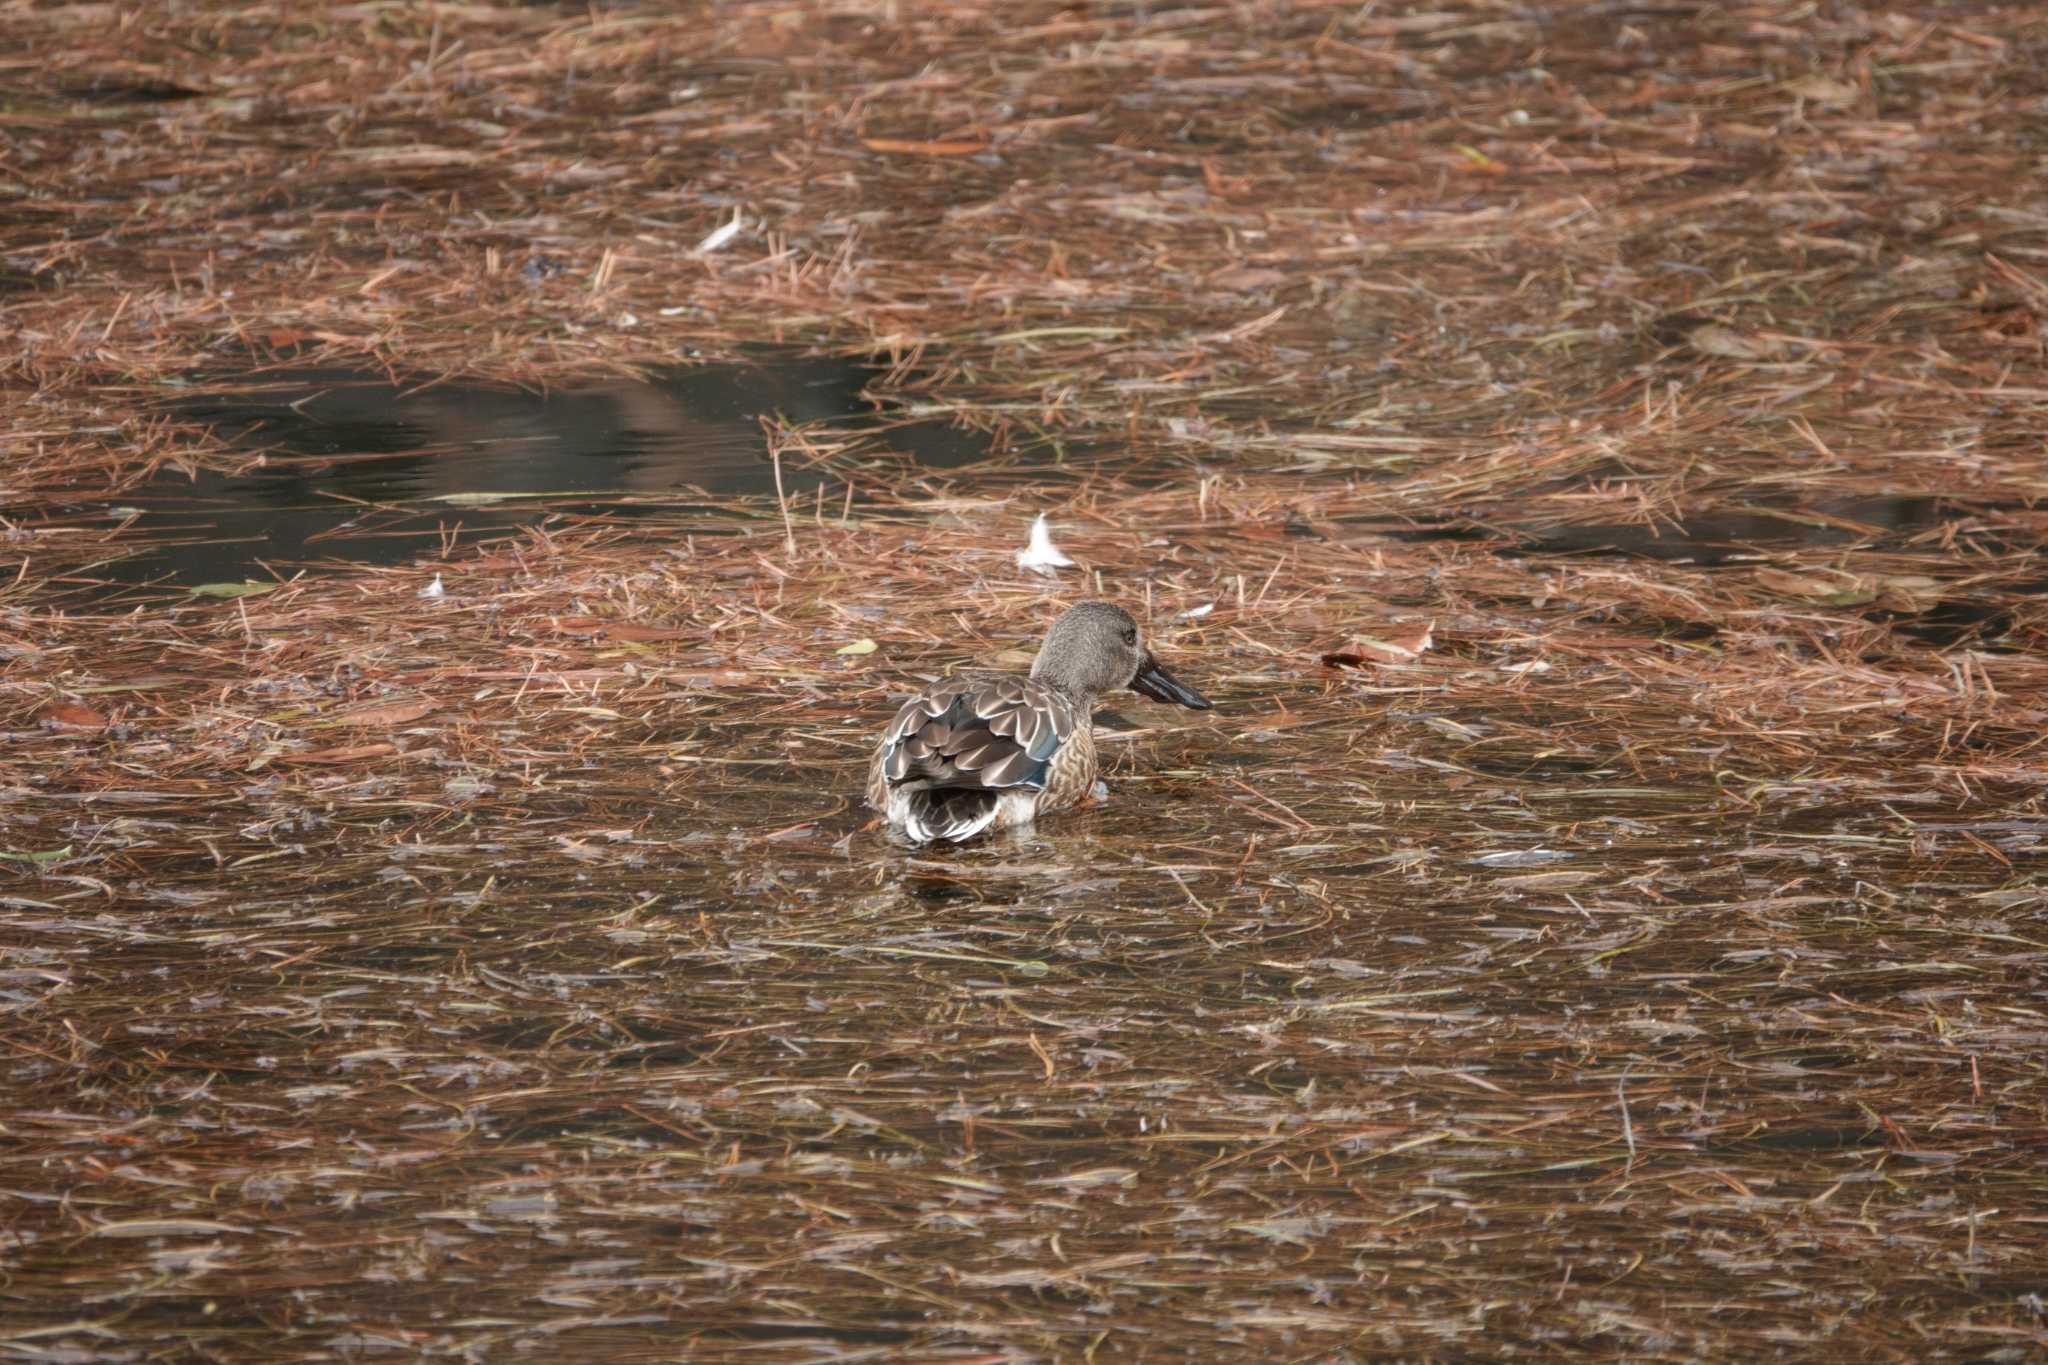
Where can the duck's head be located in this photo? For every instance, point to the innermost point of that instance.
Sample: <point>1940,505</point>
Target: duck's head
<point>1095,647</point>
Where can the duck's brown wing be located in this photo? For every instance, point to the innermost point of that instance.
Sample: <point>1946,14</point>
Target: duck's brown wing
<point>977,732</point>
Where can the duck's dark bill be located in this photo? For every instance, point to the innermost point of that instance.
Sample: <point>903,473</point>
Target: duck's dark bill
<point>1155,682</point>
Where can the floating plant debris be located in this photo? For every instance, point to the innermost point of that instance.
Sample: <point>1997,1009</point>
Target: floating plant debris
<point>477,948</point>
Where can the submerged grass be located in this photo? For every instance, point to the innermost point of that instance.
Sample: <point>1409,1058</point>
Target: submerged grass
<point>1651,963</point>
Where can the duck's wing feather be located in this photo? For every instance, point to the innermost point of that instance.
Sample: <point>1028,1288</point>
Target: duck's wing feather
<point>977,732</point>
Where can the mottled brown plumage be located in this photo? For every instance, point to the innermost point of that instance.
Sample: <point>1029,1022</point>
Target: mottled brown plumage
<point>982,751</point>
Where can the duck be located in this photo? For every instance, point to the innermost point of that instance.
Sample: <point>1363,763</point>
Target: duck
<point>982,751</point>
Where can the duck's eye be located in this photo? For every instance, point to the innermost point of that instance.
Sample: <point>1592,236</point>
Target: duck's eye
<point>1131,635</point>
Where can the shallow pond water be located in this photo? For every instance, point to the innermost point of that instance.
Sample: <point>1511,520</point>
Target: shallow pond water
<point>495,939</point>
<point>358,468</point>
<point>466,964</point>
<point>1630,946</point>
<point>631,1047</point>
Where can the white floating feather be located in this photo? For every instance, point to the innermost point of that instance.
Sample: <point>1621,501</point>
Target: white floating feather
<point>721,234</point>
<point>1041,555</point>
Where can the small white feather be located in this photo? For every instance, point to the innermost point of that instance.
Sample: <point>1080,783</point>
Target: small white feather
<point>721,234</point>
<point>1041,555</point>
<point>434,589</point>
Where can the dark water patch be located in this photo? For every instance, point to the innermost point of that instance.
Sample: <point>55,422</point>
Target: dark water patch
<point>402,957</point>
<point>1827,1138</point>
<point>1550,765</point>
<point>1974,621</point>
<point>1351,116</point>
<point>649,1042</point>
<point>358,468</point>
<point>127,89</point>
<point>650,1056</point>
<point>796,1333</point>
<point>938,893</point>
<point>1422,533</point>
<point>1955,622</point>
<point>1753,531</point>
<point>524,1035</point>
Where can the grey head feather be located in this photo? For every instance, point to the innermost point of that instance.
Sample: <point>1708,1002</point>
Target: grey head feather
<point>1095,647</point>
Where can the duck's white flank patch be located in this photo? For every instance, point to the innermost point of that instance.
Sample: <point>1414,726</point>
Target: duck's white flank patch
<point>1016,808</point>
<point>1009,809</point>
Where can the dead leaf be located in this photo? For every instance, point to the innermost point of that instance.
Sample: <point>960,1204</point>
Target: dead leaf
<point>1824,90</point>
<point>1545,881</point>
<point>230,589</point>
<point>1714,339</point>
<point>1813,586</point>
<point>1476,160</point>
<point>416,155</point>
<point>1403,647</point>
<point>47,855</point>
<point>1907,600</point>
<point>2021,323</point>
<point>616,630</point>
<point>1219,184</point>
<point>345,753</point>
<point>1246,279</point>
<point>580,851</point>
<point>72,715</point>
<point>386,713</point>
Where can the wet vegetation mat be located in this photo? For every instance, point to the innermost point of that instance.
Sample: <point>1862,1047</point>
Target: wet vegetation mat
<point>474,482</point>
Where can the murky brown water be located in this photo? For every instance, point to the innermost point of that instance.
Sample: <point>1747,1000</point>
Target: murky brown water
<point>590,1014</point>
<point>477,951</point>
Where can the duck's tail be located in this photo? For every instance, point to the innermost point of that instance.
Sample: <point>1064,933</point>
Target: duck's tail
<point>953,813</point>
